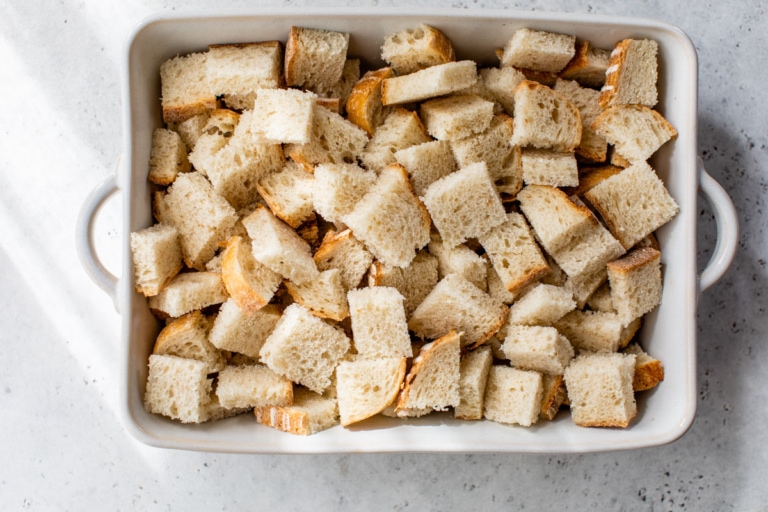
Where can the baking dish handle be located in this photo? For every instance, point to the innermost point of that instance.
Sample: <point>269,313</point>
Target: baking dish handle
<point>727,223</point>
<point>84,236</point>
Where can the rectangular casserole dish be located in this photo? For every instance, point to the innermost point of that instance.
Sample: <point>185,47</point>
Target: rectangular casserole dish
<point>669,332</point>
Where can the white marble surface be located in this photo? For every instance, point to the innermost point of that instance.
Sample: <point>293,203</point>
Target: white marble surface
<point>61,441</point>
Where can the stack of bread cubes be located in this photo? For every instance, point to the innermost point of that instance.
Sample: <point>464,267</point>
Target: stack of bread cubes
<point>334,243</point>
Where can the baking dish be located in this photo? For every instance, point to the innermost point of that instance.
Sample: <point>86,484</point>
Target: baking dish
<point>669,333</point>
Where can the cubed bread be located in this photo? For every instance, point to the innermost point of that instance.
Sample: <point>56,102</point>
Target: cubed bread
<point>309,414</point>
<point>537,348</point>
<point>543,305</point>
<point>428,83</point>
<point>288,193</point>
<point>600,390</point>
<point>635,283</point>
<point>633,203</point>
<point>401,129</point>
<point>498,290</point>
<point>456,304</point>
<point>344,252</point>
<point>187,337</point>
<point>539,50</point>
<point>473,371</point>
<point>314,58</point>
<point>304,348</point>
<point>592,147</point>
<point>516,258</point>
<point>363,105</point>
<point>379,327</point>
<point>590,177</point>
<point>592,331</point>
<point>278,247</point>
<point>252,386</point>
<point>188,291</point>
<point>460,260</point>
<point>632,74</point>
<point>184,87</point>
<point>494,148</point>
<point>219,127</point>
<point>433,381</point>
<point>156,253</point>
<point>583,286</point>
<point>339,92</point>
<point>500,84</point>
<point>464,204</point>
<point>513,396</point>
<point>249,283</point>
<point>178,388</point>
<point>365,387</point>
<point>456,117</point>
<point>390,220</point>
<point>167,158</point>
<point>417,48</point>
<point>636,131</point>
<point>552,168</point>
<point>426,163</point>
<point>237,71</point>
<point>338,188</point>
<point>588,253</point>
<point>325,296</point>
<point>202,217</point>
<point>588,65</point>
<point>190,130</point>
<point>414,282</point>
<point>545,119</point>
<point>283,116</point>
<point>552,397</point>
<point>237,331</point>
<point>648,370</point>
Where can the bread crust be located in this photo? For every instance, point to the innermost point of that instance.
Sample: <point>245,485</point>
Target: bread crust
<point>634,260</point>
<point>392,396</point>
<point>235,281</point>
<point>364,106</point>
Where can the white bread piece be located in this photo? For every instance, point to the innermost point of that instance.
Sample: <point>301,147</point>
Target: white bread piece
<point>583,286</point>
<point>464,204</point>
<point>456,304</point>
<point>513,396</point>
<point>600,300</point>
<point>379,327</point>
<point>178,388</point>
<point>592,146</point>
<point>310,413</point>
<point>552,168</point>
<point>456,117</point>
<point>252,386</point>
<point>167,158</point>
<point>545,119</point>
<point>590,177</point>
<point>538,50</point>
<point>249,283</point>
<point>636,131</point>
<point>636,284</point>
<point>390,220</point>
<point>494,148</point>
<point>236,71</point>
<point>460,260</point>
<point>324,297</point>
<point>543,305</point>
<point>401,129</point>
<point>304,348</point>
<point>236,331</point>
<point>338,188</point>
<point>500,84</point>
<point>428,83</point>
<point>537,348</point>
<point>589,253</point>
<point>414,282</point>
<point>433,381</point>
<point>552,397</point>
<point>288,193</point>
<point>600,390</point>
<point>648,370</point>
<point>315,58</point>
<point>632,74</point>
<point>592,331</point>
<point>516,258</point>
<point>498,290</point>
<point>187,337</point>
<point>156,253</point>
<point>219,127</point>
<point>187,292</point>
<point>414,49</point>
<point>366,387</point>
<point>339,92</point>
<point>202,217</point>
<point>334,140</point>
<point>191,129</point>
<point>588,65</point>
<point>650,206</point>
<point>344,252</point>
<point>184,87</point>
<point>279,248</point>
<point>556,219</point>
<point>363,105</point>
<point>283,116</point>
<point>473,371</point>
<point>426,163</point>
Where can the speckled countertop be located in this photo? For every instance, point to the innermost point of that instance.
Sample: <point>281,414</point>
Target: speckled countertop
<point>61,441</point>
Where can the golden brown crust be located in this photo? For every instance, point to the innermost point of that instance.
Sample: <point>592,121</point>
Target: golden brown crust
<point>332,104</point>
<point>648,375</point>
<point>618,57</point>
<point>619,161</point>
<point>391,398</point>
<point>592,177</point>
<point>235,281</point>
<point>364,107</point>
<point>634,260</point>
<point>330,243</point>
<point>284,419</point>
<point>541,77</point>
<point>292,50</point>
<point>553,396</point>
<point>577,63</point>
<point>180,113</point>
<point>169,335</point>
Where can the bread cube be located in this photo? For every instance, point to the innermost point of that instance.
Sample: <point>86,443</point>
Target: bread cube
<point>190,130</point>
<point>456,117</point>
<point>283,116</point>
<point>315,58</point>
<point>537,348</point>
<point>187,336</point>
<point>632,73</point>
<point>184,87</point>
<point>636,284</point>
<point>539,50</point>
<point>401,129</point>
<point>309,414</point>
<point>288,193</point>
<point>338,188</point>
<point>544,167</point>
<point>236,71</point>
<point>366,386</point>
<point>460,260</point>
<point>648,370</point>
<point>588,65</point>
<point>512,396</point>
<point>344,252</point>
<point>252,386</point>
<point>592,146</point>
<point>592,331</point>
<point>236,331</point>
<point>414,282</point>
<point>414,49</point>
<point>249,283</point>
<point>636,131</point>
<point>500,84</point>
<point>363,104</point>
<point>545,119</point>
<point>178,388</point>
<point>473,370</point>
<point>156,255</point>
<point>379,327</point>
<point>187,292</point>
<point>431,82</point>
<point>426,163</point>
<point>167,158</point>
<point>324,296</point>
<point>588,253</point>
<point>543,305</point>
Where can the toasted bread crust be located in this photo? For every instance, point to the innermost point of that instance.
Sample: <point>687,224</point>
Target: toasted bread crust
<point>235,281</point>
<point>553,398</point>
<point>634,260</point>
<point>364,106</point>
<point>648,375</point>
<point>618,57</point>
<point>393,393</point>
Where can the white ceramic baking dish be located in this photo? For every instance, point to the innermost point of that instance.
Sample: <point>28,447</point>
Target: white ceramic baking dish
<point>669,332</point>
